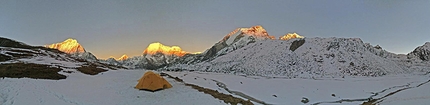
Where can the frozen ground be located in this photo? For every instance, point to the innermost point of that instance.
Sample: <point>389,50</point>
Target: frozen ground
<point>116,88</point>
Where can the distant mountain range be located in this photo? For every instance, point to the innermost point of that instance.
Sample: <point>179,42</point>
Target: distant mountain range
<point>252,51</point>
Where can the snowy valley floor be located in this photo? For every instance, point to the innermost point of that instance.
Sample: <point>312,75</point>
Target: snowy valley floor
<point>116,88</point>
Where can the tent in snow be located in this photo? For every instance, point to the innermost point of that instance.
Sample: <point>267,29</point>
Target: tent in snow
<point>152,82</point>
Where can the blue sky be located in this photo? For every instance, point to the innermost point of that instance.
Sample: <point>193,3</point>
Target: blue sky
<point>115,27</point>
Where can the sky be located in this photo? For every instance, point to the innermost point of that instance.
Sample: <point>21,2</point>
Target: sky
<point>116,27</point>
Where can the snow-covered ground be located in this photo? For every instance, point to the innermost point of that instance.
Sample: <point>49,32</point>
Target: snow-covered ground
<point>116,87</point>
<point>109,88</point>
<point>320,91</point>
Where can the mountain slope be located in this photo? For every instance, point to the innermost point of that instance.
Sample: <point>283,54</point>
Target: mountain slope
<point>421,52</point>
<point>5,42</point>
<point>304,58</point>
<point>251,51</point>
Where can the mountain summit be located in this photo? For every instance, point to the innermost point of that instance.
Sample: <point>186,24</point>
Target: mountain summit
<point>69,46</point>
<point>156,55</point>
<point>237,39</point>
<point>157,47</point>
<point>254,31</point>
<point>289,36</point>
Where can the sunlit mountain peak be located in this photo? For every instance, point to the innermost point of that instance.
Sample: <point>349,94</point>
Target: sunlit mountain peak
<point>257,30</point>
<point>289,36</point>
<point>157,47</point>
<point>68,46</point>
<point>123,57</point>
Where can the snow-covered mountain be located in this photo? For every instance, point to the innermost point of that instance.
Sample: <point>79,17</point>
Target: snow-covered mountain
<point>71,46</point>
<point>236,39</point>
<point>252,51</point>
<point>294,56</point>
<point>289,36</point>
<point>68,46</point>
<point>308,57</point>
<point>156,55</point>
<point>22,60</point>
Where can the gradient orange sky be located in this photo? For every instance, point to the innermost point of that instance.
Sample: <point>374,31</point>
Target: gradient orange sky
<point>116,27</point>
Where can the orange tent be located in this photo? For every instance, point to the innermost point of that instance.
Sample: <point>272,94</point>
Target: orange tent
<point>152,82</point>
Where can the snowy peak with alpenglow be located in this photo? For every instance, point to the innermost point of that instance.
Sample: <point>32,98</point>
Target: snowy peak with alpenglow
<point>237,39</point>
<point>69,46</point>
<point>123,57</point>
<point>156,55</point>
<point>255,31</point>
<point>157,47</point>
<point>289,36</point>
<point>40,62</point>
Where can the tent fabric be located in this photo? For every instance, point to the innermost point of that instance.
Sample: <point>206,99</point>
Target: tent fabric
<point>152,82</point>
